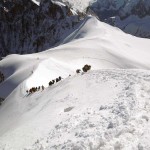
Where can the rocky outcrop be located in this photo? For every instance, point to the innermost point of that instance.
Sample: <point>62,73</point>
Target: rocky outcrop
<point>28,28</point>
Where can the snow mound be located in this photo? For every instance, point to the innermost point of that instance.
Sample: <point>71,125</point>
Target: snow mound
<point>105,109</point>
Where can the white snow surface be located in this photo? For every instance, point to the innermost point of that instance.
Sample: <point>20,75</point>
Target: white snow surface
<point>37,2</point>
<point>107,108</point>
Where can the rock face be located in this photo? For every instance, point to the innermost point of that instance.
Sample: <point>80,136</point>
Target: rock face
<point>26,27</point>
<point>132,16</point>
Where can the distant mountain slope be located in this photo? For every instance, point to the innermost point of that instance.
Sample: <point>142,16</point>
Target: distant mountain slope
<point>28,28</point>
<point>132,16</point>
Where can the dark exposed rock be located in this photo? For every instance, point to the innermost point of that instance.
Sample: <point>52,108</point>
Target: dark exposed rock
<point>27,28</point>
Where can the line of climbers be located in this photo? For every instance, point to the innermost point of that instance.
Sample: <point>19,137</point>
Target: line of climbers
<point>56,80</point>
<point>2,78</point>
<point>36,89</point>
<point>86,68</point>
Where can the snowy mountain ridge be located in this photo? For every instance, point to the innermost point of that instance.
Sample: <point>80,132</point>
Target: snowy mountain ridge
<point>106,108</point>
<point>107,54</point>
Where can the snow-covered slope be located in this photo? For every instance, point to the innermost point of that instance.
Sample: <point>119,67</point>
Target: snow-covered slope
<point>103,109</point>
<point>107,109</point>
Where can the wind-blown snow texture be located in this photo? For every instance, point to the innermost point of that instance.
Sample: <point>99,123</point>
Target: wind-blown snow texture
<point>106,108</point>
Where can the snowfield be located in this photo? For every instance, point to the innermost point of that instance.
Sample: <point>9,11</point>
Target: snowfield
<point>107,108</point>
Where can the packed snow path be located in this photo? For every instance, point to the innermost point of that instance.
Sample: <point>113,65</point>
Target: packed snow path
<point>99,110</point>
